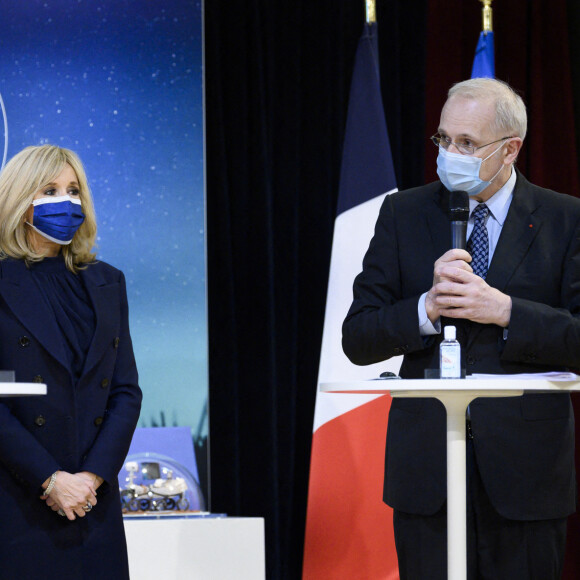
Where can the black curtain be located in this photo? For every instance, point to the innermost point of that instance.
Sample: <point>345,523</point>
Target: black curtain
<point>277,80</point>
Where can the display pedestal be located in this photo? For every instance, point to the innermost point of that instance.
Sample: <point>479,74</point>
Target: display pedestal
<point>455,394</point>
<point>204,548</point>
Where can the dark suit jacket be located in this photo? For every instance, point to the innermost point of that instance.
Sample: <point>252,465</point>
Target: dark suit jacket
<point>524,445</point>
<point>85,426</point>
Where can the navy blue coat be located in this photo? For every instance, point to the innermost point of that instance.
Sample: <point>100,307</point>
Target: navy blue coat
<point>82,427</point>
<point>524,445</point>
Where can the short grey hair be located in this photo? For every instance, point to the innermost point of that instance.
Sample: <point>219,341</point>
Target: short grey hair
<point>510,111</point>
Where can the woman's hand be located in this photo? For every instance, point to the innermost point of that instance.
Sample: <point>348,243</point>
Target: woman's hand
<point>72,493</point>
<point>94,480</point>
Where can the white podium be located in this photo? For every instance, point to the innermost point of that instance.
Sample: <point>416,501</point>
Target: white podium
<point>455,394</point>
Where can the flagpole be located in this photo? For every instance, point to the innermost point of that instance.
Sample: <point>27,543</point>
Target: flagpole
<point>487,16</point>
<point>484,61</point>
<point>371,11</point>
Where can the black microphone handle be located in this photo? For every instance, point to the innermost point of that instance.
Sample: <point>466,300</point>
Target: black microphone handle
<point>458,235</point>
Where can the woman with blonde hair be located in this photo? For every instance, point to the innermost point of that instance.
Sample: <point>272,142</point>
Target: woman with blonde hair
<point>63,322</point>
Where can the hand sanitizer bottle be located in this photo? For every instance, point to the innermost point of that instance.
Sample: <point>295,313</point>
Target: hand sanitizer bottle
<point>450,355</point>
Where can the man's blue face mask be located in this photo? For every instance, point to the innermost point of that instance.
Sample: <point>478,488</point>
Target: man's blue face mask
<point>461,172</point>
<point>57,219</point>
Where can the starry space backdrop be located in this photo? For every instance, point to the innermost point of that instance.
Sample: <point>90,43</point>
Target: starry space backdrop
<point>120,83</point>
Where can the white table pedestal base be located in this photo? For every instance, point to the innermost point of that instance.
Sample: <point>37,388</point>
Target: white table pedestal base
<point>456,487</point>
<point>456,403</point>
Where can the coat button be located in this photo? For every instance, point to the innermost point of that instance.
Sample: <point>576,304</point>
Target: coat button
<point>40,420</point>
<point>105,383</point>
<point>116,343</point>
<point>38,379</point>
<point>98,421</point>
<point>470,360</point>
<point>23,341</point>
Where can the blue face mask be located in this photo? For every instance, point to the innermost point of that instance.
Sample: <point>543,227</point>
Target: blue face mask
<point>57,218</point>
<point>461,172</point>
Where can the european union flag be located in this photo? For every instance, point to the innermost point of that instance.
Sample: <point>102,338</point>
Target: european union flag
<point>484,61</point>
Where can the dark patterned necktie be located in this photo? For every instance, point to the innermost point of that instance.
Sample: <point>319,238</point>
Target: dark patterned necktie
<point>478,244</point>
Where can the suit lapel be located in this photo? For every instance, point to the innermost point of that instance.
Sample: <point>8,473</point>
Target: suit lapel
<point>27,303</point>
<point>518,232</point>
<point>103,296</point>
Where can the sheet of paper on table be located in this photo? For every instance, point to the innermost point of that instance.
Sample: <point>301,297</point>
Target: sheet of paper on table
<point>551,376</point>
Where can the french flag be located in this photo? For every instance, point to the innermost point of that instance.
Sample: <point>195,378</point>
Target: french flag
<point>349,531</point>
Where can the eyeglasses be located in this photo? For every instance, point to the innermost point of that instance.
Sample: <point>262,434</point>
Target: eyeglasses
<point>463,148</point>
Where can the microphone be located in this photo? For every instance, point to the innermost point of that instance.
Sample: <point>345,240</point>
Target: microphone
<point>458,215</point>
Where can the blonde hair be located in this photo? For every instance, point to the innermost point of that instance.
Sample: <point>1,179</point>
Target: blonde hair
<point>510,111</point>
<point>23,176</point>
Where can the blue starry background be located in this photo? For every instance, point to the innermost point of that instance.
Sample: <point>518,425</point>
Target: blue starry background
<point>120,83</point>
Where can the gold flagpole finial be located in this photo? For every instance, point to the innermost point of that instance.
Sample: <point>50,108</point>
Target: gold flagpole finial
<point>371,11</point>
<point>487,15</point>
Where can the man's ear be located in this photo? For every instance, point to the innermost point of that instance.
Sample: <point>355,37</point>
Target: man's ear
<point>512,150</point>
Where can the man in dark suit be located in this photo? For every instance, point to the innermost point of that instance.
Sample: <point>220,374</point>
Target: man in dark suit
<point>515,300</point>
